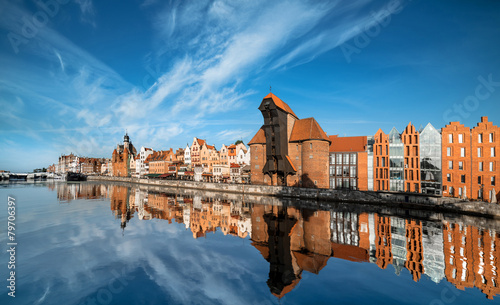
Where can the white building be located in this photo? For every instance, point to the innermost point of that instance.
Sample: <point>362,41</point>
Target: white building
<point>140,166</point>
<point>187,156</point>
<point>243,157</point>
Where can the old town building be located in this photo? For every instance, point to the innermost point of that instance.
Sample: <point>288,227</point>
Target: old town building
<point>195,151</point>
<point>121,158</point>
<point>187,156</point>
<point>288,151</point>
<point>140,166</point>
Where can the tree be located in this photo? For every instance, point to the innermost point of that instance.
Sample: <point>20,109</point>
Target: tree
<point>238,142</point>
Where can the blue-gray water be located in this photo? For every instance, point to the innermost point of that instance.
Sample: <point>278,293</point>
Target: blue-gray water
<point>91,243</point>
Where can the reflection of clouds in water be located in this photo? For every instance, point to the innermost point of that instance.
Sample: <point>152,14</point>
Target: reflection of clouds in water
<point>42,298</point>
<point>83,243</point>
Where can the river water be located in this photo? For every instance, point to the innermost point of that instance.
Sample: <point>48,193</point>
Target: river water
<point>108,243</point>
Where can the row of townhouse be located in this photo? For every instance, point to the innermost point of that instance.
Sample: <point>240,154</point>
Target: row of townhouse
<point>77,164</point>
<point>200,161</point>
<point>455,161</point>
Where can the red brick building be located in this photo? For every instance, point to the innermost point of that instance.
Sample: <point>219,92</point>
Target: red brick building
<point>288,151</point>
<point>411,141</point>
<point>381,161</point>
<point>121,158</point>
<point>485,160</point>
<point>470,160</point>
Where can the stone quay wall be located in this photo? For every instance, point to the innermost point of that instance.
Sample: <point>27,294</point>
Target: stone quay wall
<point>399,200</point>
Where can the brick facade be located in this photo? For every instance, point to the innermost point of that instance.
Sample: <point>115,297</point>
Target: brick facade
<point>411,140</point>
<point>485,160</point>
<point>470,160</point>
<point>381,161</point>
<point>288,150</point>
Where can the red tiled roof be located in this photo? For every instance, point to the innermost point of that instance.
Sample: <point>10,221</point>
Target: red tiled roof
<point>280,104</point>
<point>259,138</point>
<point>234,165</point>
<point>343,144</point>
<point>231,146</point>
<point>200,142</point>
<point>307,129</point>
<point>210,147</point>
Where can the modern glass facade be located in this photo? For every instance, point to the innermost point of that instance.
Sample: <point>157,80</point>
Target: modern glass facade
<point>396,161</point>
<point>430,160</point>
<point>370,142</point>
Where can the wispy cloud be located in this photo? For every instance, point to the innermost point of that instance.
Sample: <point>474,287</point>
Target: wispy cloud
<point>208,50</point>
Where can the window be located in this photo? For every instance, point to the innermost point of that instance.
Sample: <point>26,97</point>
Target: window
<point>338,158</point>
<point>459,191</point>
<point>353,158</point>
<point>450,138</point>
<point>310,145</point>
<point>338,170</point>
<point>493,151</point>
<point>462,151</point>
<point>450,164</point>
<point>462,178</point>
<point>480,166</point>
<point>491,138</point>
<point>448,151</point>
<point>479,152</point>
<point>478,179</point>
<point>480,138</point>
<point>346,171</point>
<point>460,138</point>
<point>448,177</point>
<point>460,165</point>
<point>346,158</point>
<point>491,166</point>
<point>353,171</point>
<point>493,180</point>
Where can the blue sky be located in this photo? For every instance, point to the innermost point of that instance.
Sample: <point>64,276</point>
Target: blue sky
<point>75,74</point>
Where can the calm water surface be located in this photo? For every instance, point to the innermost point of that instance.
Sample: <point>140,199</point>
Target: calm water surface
<point>91,243</point>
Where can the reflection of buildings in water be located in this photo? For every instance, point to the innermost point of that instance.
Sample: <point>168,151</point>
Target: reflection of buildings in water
<point>120,204</point>
<point>414,255</point>
<point>73,191</point>
<point>383,241</point>
<point>472,258</point>
<point>292,239</point>
<point>432,243</point>
<point>398,244</point>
